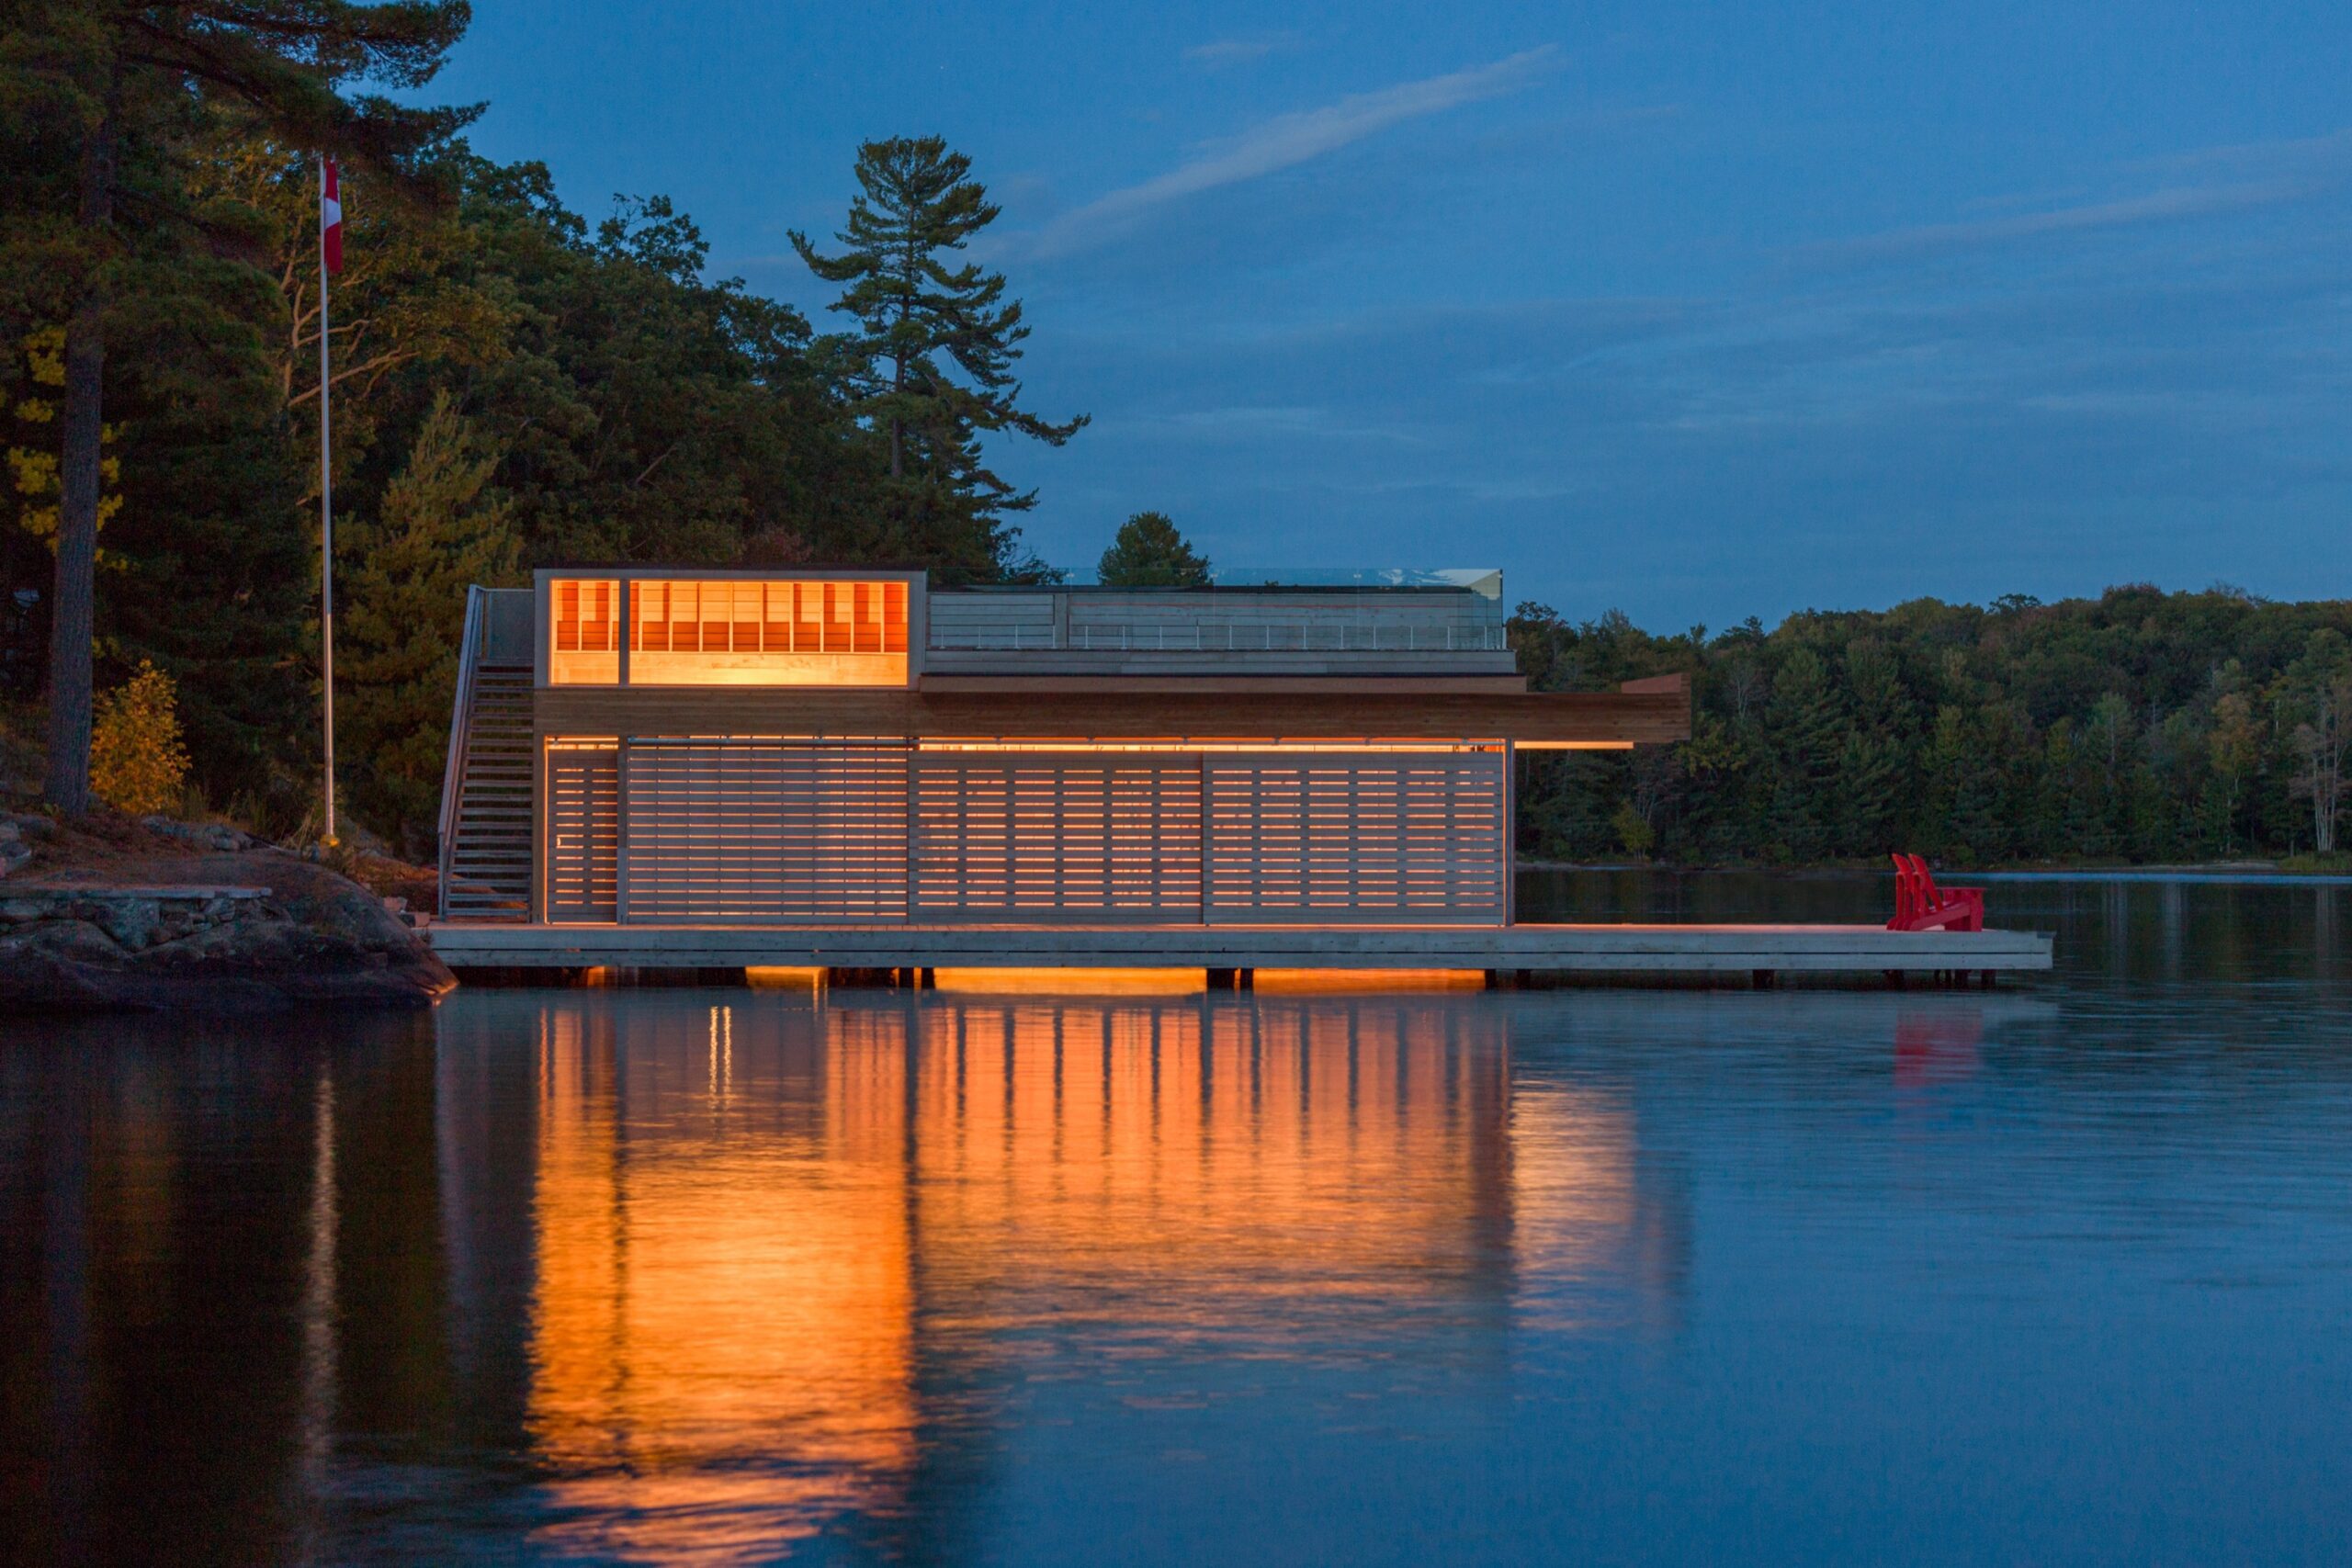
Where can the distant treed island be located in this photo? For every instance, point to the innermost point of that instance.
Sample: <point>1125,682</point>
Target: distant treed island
<point>517,385</point>
<point>2138,727</point>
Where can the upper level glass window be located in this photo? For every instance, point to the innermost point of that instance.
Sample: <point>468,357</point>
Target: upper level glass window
<point>584,631</point>
<point>738,633</point>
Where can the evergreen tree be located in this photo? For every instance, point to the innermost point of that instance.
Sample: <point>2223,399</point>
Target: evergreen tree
<point>1805,727</point>
<point>1150,553</point>
<point>99,100</point>
<point>405,604</point>
<point>923,323</point>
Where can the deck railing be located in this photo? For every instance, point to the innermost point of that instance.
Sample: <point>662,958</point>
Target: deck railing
<point>1306,637</point>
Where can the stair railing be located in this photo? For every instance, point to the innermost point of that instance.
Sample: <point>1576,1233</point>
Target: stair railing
<point>453,773</point>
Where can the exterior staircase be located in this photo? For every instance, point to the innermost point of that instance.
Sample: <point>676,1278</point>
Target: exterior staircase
<point>486,828</point>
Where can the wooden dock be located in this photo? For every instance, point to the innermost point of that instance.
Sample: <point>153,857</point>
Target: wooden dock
<point>1655,950</point>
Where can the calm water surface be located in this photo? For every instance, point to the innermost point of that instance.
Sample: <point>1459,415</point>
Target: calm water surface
<point>2057,1274</point>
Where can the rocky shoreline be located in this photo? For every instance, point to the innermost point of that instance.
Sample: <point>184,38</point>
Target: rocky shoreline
<point>253,929</point>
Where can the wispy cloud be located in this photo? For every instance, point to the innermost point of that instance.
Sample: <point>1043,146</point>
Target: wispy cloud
<point>1249,422</point>
<point>2326,153</point>
<point>2230,177</point>
<point>1289,140</point>
<point>2156,207</point>
<point>1218,53</point>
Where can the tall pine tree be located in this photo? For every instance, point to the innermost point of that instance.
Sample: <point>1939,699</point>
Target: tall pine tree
<point>931,365</point>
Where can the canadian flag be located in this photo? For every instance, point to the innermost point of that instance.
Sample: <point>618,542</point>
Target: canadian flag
<point>330,217</point>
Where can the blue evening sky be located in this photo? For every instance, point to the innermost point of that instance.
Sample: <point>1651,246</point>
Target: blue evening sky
<point>1698,309</point>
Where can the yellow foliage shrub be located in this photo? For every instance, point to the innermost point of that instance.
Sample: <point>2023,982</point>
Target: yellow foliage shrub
<point>137,763</point>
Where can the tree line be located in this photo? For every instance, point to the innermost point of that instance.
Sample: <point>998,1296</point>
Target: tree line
<point>514,384</point>
<point>2137,727</point>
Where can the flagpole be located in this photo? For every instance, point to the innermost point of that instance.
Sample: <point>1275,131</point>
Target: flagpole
<point>326,520</point>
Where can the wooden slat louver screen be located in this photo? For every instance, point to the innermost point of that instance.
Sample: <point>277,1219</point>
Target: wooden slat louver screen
<point>583,833</point>
<point>743,831</point>
<point>1081,841</point>
<point>1366,838</point>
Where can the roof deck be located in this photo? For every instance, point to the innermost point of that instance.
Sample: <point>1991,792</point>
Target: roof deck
<point>1422,632</point>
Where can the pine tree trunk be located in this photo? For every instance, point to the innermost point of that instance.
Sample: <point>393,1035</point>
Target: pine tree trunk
<point>897,431</point>
<point>71,605</point>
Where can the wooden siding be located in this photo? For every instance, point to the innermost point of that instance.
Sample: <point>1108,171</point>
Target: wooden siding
<point>1340,839</point>
<point>1529,718</point>
<point>746,832</point>
<point>766,833</point>
<point>583,834</point>
<point>1069,837</point>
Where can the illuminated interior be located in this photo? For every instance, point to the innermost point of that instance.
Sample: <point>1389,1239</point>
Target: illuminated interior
<point>821,633</point>
<point>729,632</point>
<point>584,631</point>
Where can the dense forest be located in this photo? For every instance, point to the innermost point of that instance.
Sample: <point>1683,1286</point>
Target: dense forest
<point>516,383</point>
<point>2140,725</point>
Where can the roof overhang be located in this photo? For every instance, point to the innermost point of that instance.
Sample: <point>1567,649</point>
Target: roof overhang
<point>1657,715</point>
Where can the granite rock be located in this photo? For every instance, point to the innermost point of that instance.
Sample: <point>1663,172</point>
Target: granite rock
<point>315,939</point>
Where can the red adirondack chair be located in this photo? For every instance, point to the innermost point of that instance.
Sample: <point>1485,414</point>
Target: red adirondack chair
<point>1921,905</point>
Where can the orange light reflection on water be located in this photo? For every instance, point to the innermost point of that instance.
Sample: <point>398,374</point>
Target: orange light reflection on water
<point>723,1322</point>
<point>747,1213</point>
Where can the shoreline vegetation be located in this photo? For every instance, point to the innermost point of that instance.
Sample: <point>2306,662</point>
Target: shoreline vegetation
<point>2141,727</point>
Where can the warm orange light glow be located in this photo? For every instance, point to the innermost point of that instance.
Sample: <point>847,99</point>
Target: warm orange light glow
<point>584,631</point>
<point>767,670</point>
<point>687,1324</point>
<point>1072,982</point>
<point>778,978</point>
<point>1447,747</point>
<point>1311,980</point>
<point>728,1348</point>
<point>1573,745</point>
<point>742,739</point>
<point>775,632</point>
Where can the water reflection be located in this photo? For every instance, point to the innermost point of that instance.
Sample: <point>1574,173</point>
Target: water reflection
<point>779,1250</point>
<point>720,1276</point>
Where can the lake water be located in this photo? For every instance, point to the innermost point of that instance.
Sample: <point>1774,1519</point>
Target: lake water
<point>2057,1274</point>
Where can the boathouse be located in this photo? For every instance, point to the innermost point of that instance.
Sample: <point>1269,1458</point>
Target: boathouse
<point>845,767</point>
